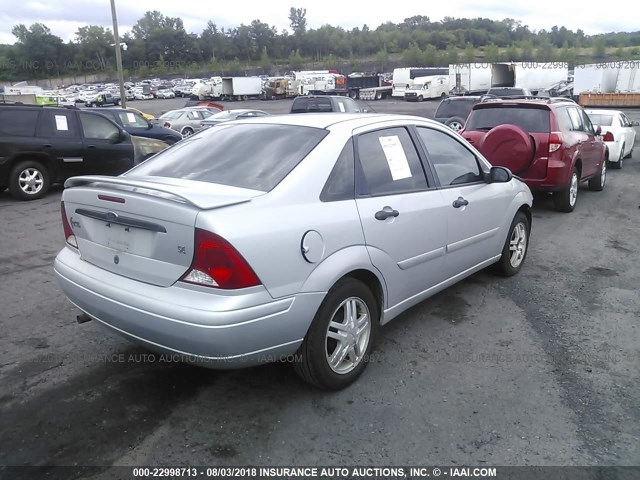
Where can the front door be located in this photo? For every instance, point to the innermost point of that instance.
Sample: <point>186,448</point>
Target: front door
<point>475,209</point>
<point>105,151</point>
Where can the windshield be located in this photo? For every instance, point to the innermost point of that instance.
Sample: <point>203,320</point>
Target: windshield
<point>601,119</point>
<point>529,119</point>
<point>223,155</point>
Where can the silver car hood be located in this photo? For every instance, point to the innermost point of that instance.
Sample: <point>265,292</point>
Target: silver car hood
<point>202,195</point>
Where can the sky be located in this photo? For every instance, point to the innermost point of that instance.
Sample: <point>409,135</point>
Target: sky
<point>64,17</point>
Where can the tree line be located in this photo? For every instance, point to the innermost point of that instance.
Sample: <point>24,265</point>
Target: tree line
<point>159,44</point>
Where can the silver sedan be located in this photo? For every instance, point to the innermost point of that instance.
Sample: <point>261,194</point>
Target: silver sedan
<point>287,237</point>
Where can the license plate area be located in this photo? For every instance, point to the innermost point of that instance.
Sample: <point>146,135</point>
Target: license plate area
<point>129,239</point>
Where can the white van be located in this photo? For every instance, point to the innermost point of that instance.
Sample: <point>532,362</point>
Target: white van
<point>404,78</point>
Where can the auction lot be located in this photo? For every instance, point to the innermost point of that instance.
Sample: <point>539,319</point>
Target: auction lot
<point>539,369</point>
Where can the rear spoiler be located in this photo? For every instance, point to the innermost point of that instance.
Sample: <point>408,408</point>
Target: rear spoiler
<point>190,196</point>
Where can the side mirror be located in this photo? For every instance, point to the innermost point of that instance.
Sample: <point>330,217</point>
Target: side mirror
<point>500,175</point>
<point>635,124</point>
<point>149,125</point>
<point>598,130</point>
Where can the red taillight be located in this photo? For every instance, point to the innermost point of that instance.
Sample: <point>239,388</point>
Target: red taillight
<point>555,141</point>
<point>608,137</point>
<point>167,125</point>
<point>69,237</point>
<point>217,264</point>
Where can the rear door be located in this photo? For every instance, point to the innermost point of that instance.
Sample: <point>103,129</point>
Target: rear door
<point>475,209</point>
<point>58,134</point>
<point>590,146</point>
<point>629,133</point>
<point>104,150</point>
<point>403,216</point>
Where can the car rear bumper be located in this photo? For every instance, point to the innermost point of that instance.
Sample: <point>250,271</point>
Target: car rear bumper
<point>217,330</point>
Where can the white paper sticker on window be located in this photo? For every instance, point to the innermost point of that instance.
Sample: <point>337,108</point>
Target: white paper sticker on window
<point>131,117</point>
<point>61,122</point>
<point>341,105</point>
<point>396,158</point>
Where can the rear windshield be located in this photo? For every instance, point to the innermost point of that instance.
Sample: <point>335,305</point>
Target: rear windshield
<point>256,156</point>
<point>529,119</point>
<point>601,119</point>
<point>506,92</point>
<point>303,105</point>
<point>455,108</point>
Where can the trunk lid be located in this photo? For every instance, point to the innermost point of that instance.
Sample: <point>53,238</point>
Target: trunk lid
<point>142,228</point>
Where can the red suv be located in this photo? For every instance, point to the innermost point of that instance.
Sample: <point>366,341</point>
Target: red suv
<point>550,144</point>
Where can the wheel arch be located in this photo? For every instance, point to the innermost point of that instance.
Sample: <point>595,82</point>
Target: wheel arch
<point>43,158</point>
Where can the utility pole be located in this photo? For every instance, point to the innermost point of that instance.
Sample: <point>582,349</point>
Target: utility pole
<point>114,16</point>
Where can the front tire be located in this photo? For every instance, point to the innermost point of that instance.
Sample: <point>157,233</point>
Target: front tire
<point>565,200</point>
<point>187,132</point>
<point>515,247</point>
<point>29,181</point>
<point>337,346</point>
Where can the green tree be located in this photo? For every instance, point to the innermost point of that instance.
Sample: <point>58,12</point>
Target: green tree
<point>451,55</point>
<point>265,61</point>
<point>95,44</point>
<point>382,59</point>
<point>469,53</point>
<point>511,53</point>
<point>295,60</point>
<point>412,56</point>
<point>491,53</point>
<point>598,48</point>
<point>527,50</point>
<point>298,20</point>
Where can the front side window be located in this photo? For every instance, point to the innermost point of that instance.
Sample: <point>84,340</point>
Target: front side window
<point>588,126</point>
<point>97,127</point>
<point>390,163</point>
<point>453,162</point>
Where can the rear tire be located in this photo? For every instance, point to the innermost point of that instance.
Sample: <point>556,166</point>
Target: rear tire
<point>336,348</point>
<point>2,188</point>
<point>455,123</point>
<point>515,247</point>
<point>29,180</point>
<point>618,165</point>
<point>565,200</point>
<point>187,132</point>
<point>597,183</point>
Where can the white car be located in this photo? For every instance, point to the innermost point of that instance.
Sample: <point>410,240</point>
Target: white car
<point>617,132</point>
<point>140,95</point>
<point>165,94</point>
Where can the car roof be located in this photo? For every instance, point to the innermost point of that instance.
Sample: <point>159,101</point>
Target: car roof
<point>326,120</point>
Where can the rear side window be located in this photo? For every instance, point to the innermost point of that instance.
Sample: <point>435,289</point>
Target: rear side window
<point>19,123</point>
<point>58,123</point>
<point>576,120</point>
<point>527,118</point>
<point>564,120</point>
<point>390,163</point>
<point>340,184</point>
<point>254,156</point>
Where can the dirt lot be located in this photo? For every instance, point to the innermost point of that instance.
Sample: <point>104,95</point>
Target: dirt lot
<point>539,369</point>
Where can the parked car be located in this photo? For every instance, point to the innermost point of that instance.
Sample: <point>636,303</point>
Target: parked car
<point>453,111</point>
<point>325,103</point>
<point>101,99</point>
<point>166,93</point>
<point>187,121</point>
<point>146,116</point>
<point>40,146</point>
<point>551,144</point>
<point>228,115</point>
<point>135,124</point>
<point>618,133</point>
<point>198,261</point>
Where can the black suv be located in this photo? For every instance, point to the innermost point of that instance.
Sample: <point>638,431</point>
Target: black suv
<point>325,103</point>
<point>135,124</point>
<point>453,111</point>
<point>40,146</point>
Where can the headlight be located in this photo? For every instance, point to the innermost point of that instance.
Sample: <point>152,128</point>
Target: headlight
<point>144,148</point>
